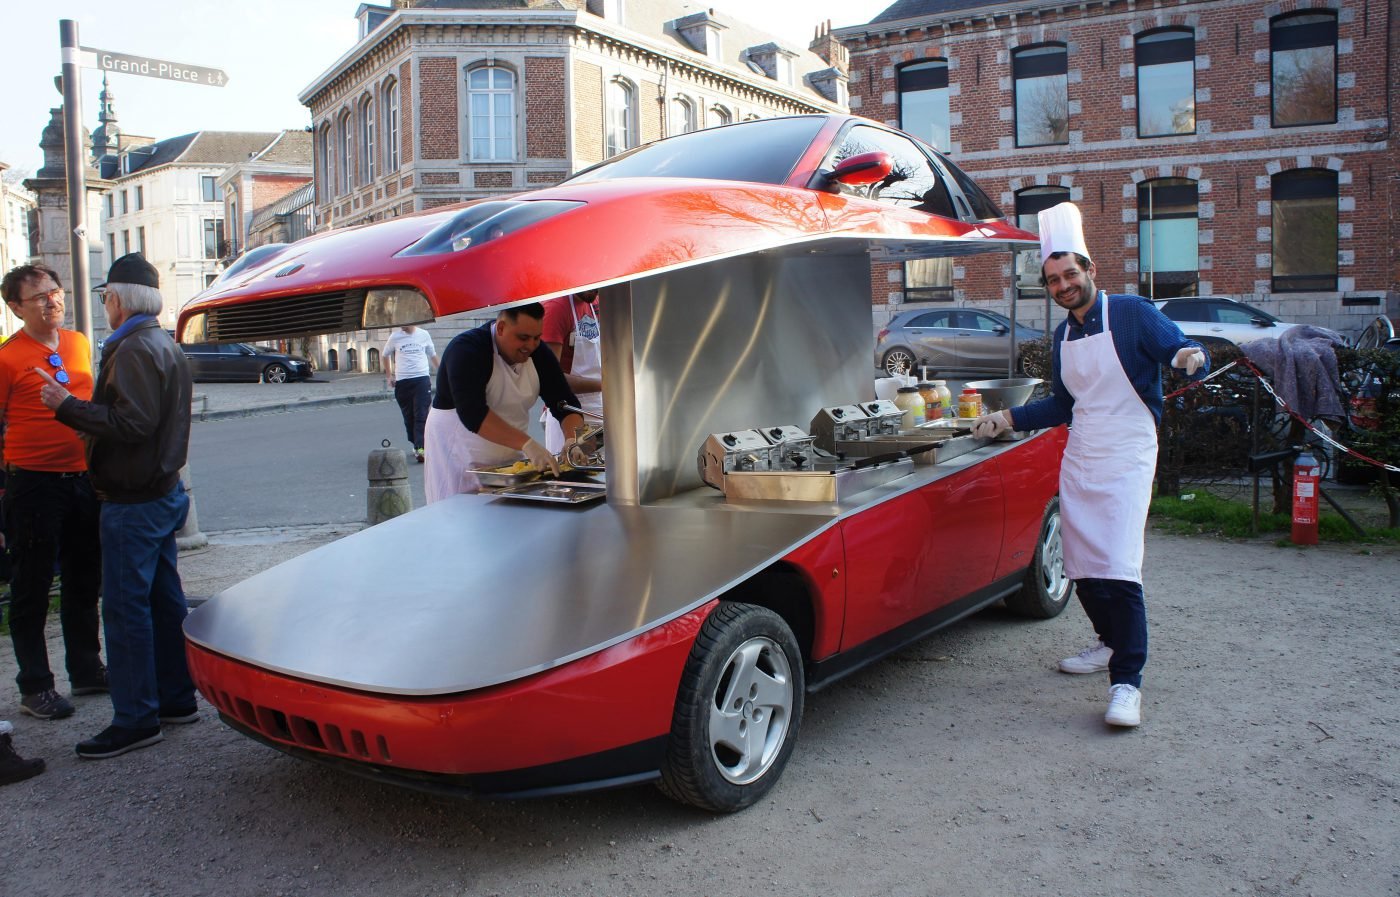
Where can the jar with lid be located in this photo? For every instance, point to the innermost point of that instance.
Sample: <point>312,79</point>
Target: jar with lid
<point>929,393</point>
<point>945,399</point>
<point>970,404</point>
<point>911,403</point>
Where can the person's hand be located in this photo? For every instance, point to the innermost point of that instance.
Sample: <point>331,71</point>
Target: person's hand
<point>990,426</point>
<point>1189,359</point>
<point>390,378</point>
<point>539,457</point>
<point>52,392</point>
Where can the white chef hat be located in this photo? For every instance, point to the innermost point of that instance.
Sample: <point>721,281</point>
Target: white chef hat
<point>1062,230</point>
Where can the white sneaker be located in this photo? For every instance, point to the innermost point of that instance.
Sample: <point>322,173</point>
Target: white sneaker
<point>1093,659</point>
<point>1124,705</point>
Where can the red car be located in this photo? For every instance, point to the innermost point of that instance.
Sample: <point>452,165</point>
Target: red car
<point>494,645</point>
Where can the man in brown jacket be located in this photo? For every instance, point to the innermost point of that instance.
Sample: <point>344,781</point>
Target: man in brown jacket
<point>137,429</point>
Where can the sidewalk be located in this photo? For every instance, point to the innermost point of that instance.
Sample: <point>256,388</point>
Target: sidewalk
<point>217,401</point>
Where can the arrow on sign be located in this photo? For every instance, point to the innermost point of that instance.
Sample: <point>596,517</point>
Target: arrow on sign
<point>108,61</point>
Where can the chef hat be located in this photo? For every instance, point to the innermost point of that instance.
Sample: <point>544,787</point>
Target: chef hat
<point>1061,230</point>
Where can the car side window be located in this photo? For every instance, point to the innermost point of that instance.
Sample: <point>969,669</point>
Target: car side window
<point>1186,311</point>
<point>932,319</point>
<point>982,322</point>
<point>912,183</point>
<point>1232,314</point>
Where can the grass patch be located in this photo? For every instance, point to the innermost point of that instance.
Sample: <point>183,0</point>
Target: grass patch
<point>1210,514</point>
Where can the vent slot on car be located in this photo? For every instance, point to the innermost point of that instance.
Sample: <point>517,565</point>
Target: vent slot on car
<point>286,317</point>
<point>301,730</point>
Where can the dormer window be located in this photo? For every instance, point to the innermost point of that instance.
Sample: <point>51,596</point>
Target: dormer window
<point>371,17</point>
<point>772,60</point>
<point>702,32</point>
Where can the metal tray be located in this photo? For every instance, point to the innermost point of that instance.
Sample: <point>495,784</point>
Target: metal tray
<point>493,477</point>
<point>556,492</point>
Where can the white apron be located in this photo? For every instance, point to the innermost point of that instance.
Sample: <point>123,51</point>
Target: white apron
<point>451,449</point>
<point>588,362</point>
<point>1109,463</point>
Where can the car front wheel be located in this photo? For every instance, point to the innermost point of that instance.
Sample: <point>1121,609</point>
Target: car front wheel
<point>898,361</point>
<point>275,373</point>
<point>737,711</point>
<point>1046,590</point>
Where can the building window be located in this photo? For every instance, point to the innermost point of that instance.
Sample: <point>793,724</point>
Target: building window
<point>327,163</point>
<point>1303,57</point>
<point>1030,202</point>
<point>391,125</point>
<point>209,280</point>
<point>140,197</point>
<point>622,116</point>
<point>111,248</point>
<point>923,102</point>
<point>1167,238</point>
<point>110,204</point>
<point>367,141</point>
<point>1166,82</point>
<point>491,101</point>
<point>720,116</point>
<point>682,116</point>
<point>1305,230</point>
<point>1041,76</point>
<point>213,237</point>
<point>347,143</point>
<point>126,204</point>
<point>126,242</point>
<point>141,240</point>
<point>207,188</point>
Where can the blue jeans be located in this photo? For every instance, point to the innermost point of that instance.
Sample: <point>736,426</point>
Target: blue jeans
<point>1119,615</point>
<point>143,609</point>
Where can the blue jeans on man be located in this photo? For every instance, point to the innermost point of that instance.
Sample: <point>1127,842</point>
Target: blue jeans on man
<point>143,610</point>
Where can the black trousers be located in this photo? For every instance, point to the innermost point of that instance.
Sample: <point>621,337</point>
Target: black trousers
<point>52,518</point>
<point>1118,613</point>
<point>414,396</point>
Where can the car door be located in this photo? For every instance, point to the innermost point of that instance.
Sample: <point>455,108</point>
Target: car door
<point>1239,323</point>
<point>933,339</point>
<point>203,359</point>
<point>983,342</point>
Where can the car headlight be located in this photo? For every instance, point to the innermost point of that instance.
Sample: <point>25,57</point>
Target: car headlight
<point>394,307</point>
<point>483,223</point>
<point>194,329</point>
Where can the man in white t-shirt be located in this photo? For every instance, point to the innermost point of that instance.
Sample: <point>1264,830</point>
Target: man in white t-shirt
<point>409,362</point>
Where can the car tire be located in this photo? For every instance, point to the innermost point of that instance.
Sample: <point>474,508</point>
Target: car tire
<point>737,712</point>
<point>1046,590</point>
<point>274,373</point>
<point>898,360</point>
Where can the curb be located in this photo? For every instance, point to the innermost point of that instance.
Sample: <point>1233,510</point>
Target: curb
<point>284,407</point>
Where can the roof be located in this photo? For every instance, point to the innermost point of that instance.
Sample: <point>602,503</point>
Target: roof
<point>289,148</point>
<point>199,148</point>
<point>917,9</point>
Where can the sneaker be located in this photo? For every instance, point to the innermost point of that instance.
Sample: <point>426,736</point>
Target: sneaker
<point>96,686</point>
<point>418,454</point>
<point>1124,705</point>
<point>1093,659</point>
<point>180,715</point>
<point>13,767</point>
<point>114,741</point>
<point>46,705</point>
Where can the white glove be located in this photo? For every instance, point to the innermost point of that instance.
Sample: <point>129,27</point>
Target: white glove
<point>990,426</point>
<point>1189,359</point>
<point>539,457</point>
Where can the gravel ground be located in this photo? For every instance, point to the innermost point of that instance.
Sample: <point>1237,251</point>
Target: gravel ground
<point>963,766</point>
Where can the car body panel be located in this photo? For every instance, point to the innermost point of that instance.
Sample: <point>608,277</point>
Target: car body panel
<point>236,362</point>
<point>1221,319</point>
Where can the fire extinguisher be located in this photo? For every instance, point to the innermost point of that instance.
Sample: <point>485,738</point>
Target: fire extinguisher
<point>1305,495</point>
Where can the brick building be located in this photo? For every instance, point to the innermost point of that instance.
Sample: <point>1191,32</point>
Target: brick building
<point>443,101</point>
<point>253,185</point>
<point>1216,147</point>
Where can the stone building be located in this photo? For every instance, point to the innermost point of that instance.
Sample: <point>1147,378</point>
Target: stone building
<point>443,101</point>
<point>1215,147</point>
<point>17,205</point>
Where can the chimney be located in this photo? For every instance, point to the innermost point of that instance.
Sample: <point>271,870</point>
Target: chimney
<point>825,45</point>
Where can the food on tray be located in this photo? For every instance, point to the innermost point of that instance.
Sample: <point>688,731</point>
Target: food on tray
<point>517,467</point>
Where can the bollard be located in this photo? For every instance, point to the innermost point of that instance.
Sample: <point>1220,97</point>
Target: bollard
<point>189,537</point>
<point>389,495</point>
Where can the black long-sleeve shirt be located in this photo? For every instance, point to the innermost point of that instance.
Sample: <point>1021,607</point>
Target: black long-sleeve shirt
<point>466,368</point>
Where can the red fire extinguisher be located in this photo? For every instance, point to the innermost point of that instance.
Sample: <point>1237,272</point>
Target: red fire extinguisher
<point>1305,495</point>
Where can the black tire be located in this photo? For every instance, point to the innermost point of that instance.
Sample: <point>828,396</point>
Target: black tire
<point>744,671</point>
<point>274,373</point>
<point>898,360</point>
<point>1046,590</point>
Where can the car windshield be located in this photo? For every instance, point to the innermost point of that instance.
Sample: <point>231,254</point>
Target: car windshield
<point>762,152</point>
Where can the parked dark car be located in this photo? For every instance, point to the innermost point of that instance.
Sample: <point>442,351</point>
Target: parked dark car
<point>1216,319</point>
<point>948,341</point>
<point>242,363</point>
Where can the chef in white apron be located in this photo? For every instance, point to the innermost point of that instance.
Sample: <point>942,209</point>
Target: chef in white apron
<point>489,380</point>
<point>579,355</point>
<point>1107,360</point>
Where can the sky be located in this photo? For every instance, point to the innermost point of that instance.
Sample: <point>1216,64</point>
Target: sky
<point>270,50</point>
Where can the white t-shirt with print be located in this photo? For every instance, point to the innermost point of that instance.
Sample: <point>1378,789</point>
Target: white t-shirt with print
<point>410,352</point>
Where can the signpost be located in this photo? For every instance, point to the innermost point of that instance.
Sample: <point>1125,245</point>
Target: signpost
<point>74,58</point>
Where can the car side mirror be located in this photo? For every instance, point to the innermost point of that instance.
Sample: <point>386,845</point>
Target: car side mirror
<point>1000,329</point>
<point>859,170</point>
<point>1260,322</point>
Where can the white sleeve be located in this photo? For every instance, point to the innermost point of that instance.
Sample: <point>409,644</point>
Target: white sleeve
<point>391,344</point>
<point>428,346</point>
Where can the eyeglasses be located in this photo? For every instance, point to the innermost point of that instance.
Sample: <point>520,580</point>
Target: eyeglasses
<point>56,362</point>
<point>52,297</point>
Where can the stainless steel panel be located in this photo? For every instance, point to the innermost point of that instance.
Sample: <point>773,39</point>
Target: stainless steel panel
<point>806,486</point>
<point>478,590</point>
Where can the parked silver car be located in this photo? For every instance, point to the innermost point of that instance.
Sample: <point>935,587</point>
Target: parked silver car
<point>949,341</point>
<point>1216,319</point>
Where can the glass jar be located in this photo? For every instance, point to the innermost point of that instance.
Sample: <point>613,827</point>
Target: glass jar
<point>945,399</point>
<point>929,393</point>
<point>911,403</point>
<point>970,404</point>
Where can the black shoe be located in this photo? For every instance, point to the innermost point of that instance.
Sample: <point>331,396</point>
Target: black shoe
<point>418,454</point>
<point>13,767</point>
<point>95,686</point>
<point>114,741</point>
<point>46,705</point>
<point>180,715</point>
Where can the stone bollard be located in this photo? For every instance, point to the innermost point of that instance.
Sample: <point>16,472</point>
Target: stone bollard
<point>389,494</point>
<point>189,537</point>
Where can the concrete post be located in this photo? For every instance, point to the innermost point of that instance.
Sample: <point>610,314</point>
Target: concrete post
<point>388,495</point>
<point>189,537</point>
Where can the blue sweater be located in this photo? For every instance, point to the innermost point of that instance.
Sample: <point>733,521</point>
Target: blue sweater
<point>1144,338</point>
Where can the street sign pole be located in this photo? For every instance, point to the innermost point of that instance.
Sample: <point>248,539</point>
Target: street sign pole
<point>73,164</point>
